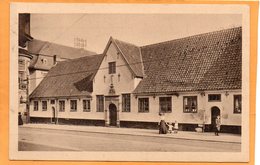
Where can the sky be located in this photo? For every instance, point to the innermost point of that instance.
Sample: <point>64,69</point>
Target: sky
<point>139,29</point>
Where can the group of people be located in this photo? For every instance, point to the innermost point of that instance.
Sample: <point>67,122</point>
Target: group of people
<point>165,128</point>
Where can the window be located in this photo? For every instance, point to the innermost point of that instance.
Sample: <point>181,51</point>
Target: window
<point>22,80</point>
<point>44,105</point>
<point>86,105</point>
<point>73,105</point>
<point>143,105</point>
<point>165,104</point>
<point>100,103</point>
<point>126,102</point>
<point>190,104</point>
<point>52,101</point>
<point>111,67</point>
<point>237,104</point>
<point>214,97</point>
<point>21,65</point>
<point>61,105</point>
<point>35,105</point>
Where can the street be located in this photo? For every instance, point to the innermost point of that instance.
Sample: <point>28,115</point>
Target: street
<point>39,139</point>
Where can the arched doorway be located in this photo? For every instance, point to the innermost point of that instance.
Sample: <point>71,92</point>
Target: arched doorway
<point>112,115</point>
<point>53,119</point>
<point>215,111</point>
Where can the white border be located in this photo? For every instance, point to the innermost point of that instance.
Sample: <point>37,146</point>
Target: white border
<point>16,8</point>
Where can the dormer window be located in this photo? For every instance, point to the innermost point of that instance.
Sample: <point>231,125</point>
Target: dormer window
<point>112,67</point>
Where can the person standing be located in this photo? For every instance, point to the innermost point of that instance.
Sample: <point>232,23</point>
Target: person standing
<point>218,124</point>
<point>176,127</point>
<point>20,121</point>
<point>162,125</point>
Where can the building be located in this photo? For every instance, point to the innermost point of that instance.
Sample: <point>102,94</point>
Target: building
<point>191,80</point>
<point>36,58</point>
<point>24,58</point>
<point>46,55</point>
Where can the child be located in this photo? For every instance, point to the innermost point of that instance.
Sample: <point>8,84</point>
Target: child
<point>170,127</point>
<point>176,127</point>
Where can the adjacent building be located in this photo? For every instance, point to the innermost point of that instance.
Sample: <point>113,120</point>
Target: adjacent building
<point>191,80</point>
<point>36,58</point>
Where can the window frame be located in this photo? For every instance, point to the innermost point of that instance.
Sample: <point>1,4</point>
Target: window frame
<point>44,107</point>
<point>64,107</point>
<point>216,100</point>
<point>22,65</point>
<point>140,107</point>
<point>88,105</point>
<point>72,108</point>
<point>100,108</point>
<point>189,105</point>
<point>35,106</point>
<point>239,97</point>
<point>52,101</point>
<point>161,101</point>
<point>112,67</point>
<point>126,104</point>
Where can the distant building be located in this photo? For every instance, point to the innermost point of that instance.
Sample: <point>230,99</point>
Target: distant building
<point>46,55</point>
<point>191,80</point>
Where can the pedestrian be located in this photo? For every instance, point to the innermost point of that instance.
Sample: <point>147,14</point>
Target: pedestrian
<point>162,124</point>
<point>170,127</point>
<point>20,120</point>
<point>217,125</point>
<point>176,127</point>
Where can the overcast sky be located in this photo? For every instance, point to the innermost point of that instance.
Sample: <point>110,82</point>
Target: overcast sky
<point>139,29</point>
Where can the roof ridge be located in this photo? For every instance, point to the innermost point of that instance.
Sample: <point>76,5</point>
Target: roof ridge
<point>115,39</point>
<point>57,44</point>
<point>196,35</point>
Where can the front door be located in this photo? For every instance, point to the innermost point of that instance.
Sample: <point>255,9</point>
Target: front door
<point>215,111</point>
<point>112,114</point>
<point>53,119</point>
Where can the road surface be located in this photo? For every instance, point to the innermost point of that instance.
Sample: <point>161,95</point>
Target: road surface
<point>34,139</point>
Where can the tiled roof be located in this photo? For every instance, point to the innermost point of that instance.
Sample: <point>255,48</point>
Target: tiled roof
<point>69,78</point>
<point>210,61</point>
<point>47,48</point>
<point>132,55</point>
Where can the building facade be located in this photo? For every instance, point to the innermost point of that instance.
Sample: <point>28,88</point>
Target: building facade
<point>191,80</point>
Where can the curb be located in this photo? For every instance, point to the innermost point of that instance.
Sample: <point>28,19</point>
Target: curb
<point>101,132</point>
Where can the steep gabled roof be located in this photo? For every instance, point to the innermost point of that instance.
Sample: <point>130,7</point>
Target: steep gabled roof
<point>132,55</point>
<point>47,48</point>
<point>210,61</point>
<point>69,78</point>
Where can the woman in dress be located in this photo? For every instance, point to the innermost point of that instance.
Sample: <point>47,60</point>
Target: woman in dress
<point>162,125</point>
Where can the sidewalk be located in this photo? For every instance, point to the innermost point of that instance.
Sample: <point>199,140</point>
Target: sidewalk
<point>206,136</point>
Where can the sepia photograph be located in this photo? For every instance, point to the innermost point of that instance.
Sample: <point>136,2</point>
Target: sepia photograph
<point>157,85</point>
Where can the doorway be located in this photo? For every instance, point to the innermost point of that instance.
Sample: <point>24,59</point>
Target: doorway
<point>53,119</point>
<point>112,115</point>
<point>215,111</point>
